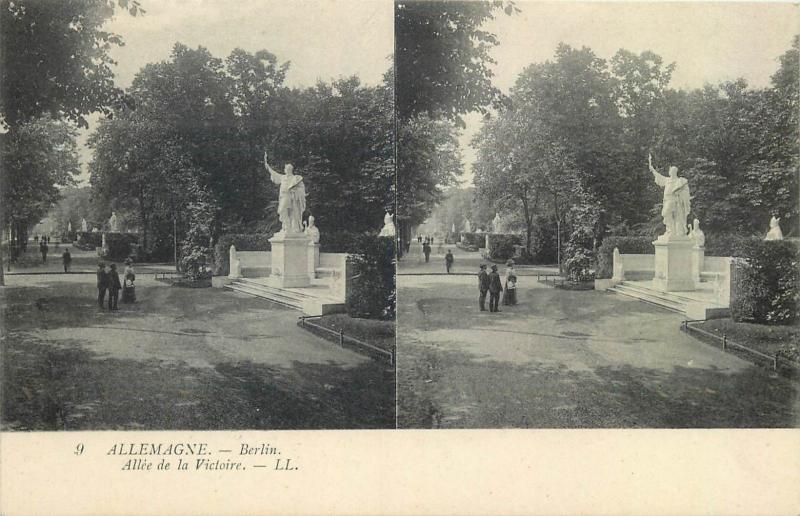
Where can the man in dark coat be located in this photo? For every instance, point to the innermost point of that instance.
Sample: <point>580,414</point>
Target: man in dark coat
<point>66,258</point>
<point>426,250</point>
<point>483,287</point>
<point>448,261</point>
<point>495,287</point>
<point>43,249</point>
<point>102,284</point>
<point>114,287</point>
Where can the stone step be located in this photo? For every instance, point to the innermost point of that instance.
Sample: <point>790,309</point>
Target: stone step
<point>270,296</point>
<point>267,289</point>
<point>676,306</point>
<point>676,297</point>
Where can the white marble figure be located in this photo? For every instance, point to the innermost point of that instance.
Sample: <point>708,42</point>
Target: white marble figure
<point>480,230</point>
<point>84,227</point>
<point>388,226</point>
<point>94,230</point>
<point>676,204</point>
<point>69,226</point>
<point>112,223</point>
<point>467,226</point>
<point>497,223</point>
<point>697,235</point>
<point>235,265</point>
<point>453,229</point>
<point>312,231</point>
<point>105,244</point>
<point>774,232</point>
<point>291,198</point>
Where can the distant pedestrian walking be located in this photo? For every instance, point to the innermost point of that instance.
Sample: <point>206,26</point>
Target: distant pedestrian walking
<point>128,288</point>
<point>448,261</point>
<point>510,294</point>
<point>102,284</point>
<point>114,287</point>
<point>426,250</point>
<point>43,249</point>
<point>66,259</point>
<point>495,288</point>
<point>483,287</point>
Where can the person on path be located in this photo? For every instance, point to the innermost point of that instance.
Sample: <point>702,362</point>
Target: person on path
<point>102,284</point>
<point>448,261</point>
<point>66,259</point>
<point>129,276</point>
<point>495,287</point>
<point>483,287</point>
<point>114,287</point>
<point>43,249</point>
<point>510,293</point>
<point>426,250</point>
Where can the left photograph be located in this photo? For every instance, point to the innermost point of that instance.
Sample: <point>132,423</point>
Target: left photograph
<point>198,215</point>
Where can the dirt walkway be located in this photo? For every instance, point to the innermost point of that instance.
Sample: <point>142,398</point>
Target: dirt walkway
<point>568,359</point>
<point>177,359</point>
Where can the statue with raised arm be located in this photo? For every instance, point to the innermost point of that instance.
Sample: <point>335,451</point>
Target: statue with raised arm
<point>112,223</point>
<point>677,201</point>
<point>291,198</point>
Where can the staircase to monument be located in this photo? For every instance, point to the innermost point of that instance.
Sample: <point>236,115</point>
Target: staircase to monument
<point>699,304</point>
<point>315,299</point>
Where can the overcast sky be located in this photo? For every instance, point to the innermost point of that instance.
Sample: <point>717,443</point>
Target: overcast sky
<point>708,42</point>
<point>323,39</point>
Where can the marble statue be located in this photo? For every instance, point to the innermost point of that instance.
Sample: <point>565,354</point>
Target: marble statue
<point>105,244</point>
<point>84,227</point>
<point>479,230</point>
<point>312,231</point>
<point>69,226</point>
<point>497,223</point>
<point>676,204</point>
<point>112,223</point>
<point>774,232</point>
<point>467,226</point>
<point>94,230</point>
<point>697,235</point>
<point>453,230</point>
<point>388,226</point>
<point>291,198</point>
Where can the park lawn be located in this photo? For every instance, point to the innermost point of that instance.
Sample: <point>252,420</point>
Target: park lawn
<point>767,339</point>
<point>375,332</point>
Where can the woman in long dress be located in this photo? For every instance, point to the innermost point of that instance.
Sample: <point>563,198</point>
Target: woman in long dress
<point>510,290</point>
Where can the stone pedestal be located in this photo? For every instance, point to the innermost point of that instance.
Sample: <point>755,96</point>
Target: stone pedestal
<point>313,259</point>
<point>290,260</point>
<point>698,255</point>
<point>673,264</point>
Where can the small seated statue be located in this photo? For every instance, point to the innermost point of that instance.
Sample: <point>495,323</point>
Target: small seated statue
<point>311,231</point>
<point>696,234</point>
<point>774,232</point>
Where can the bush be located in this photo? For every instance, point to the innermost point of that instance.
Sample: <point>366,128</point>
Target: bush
<point>626,245</point>
<point>579,257</point>
<point>501,246</point>
<point>766,289</point>
<point>371,287</point>
<point>544,241</point>
<point>728,244</point>
<point>120,245</point>
<point>476,240</point>
<point>243,242</point>
<point>88,240</point>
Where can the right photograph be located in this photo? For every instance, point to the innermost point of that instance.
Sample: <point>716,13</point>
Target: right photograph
<point>597,213</point>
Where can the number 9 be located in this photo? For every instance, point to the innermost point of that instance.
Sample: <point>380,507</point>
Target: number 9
<point>79,449</point>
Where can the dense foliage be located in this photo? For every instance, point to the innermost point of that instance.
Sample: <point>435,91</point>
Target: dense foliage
<point>371,283</point>
<point>766,286</point>
<point>573,140</point>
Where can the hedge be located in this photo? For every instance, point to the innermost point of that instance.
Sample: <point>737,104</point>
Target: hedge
<point>766,286</point>
<point>501,246</point>
<point>88,240</point>
<point>626,245</point>
<point>243,242</point>
<point>371,286</point>
<point>477,240</point>
<point>120,245</point>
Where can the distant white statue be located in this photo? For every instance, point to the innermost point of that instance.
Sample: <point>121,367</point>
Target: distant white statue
<point>479,230</point>
<point>774,232</point>
<point>105,244</point>
<point>467,226</point>
<point>69,226</point>
<point>453,229</point>
<point>291,197</point>
<point>388,226</point>
<point>94,230</point>
<point>497,223</point>
<point>84,227</point>
<point>235,270</point>
<point>677,203</point>
<point>112,223</point>
<point>312,231</point>
<point>697,235</point>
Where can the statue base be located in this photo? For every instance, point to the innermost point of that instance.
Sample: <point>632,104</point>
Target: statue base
<point>290,260</point>
<point>674,264</point>
<point>313,259</point>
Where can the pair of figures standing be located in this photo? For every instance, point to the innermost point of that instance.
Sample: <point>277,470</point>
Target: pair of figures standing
<point>492,284</point>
